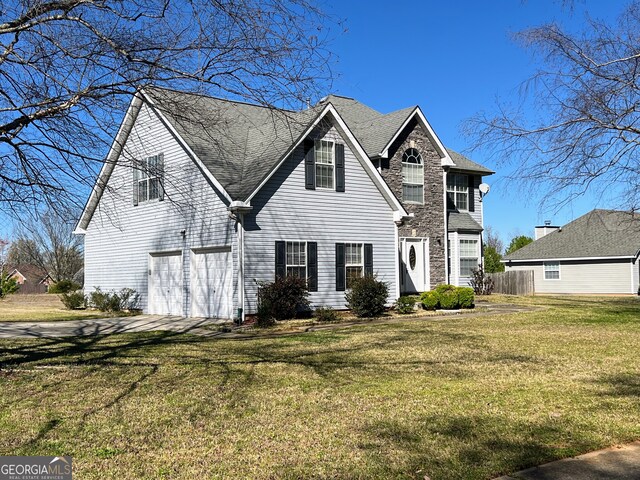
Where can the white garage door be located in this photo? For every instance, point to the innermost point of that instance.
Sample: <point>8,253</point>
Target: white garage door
<point>211,283</point>
<point>165,283</point>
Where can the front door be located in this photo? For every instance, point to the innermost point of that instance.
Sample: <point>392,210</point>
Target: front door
<point>415,264</point>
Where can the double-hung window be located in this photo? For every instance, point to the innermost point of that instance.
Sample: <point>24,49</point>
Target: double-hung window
<point>469,257</point>
<point>148,179</point>
<point>296,261</point>
<point>458,191</point>
<point>324,155</point>
<point>354,262</point>
<point>551,270</point>
<point>412,176</point>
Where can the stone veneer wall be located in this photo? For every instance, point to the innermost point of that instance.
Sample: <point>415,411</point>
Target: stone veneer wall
<point>429,217</point>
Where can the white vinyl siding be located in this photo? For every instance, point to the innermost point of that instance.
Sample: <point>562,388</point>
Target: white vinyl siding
<point>284,210</point>
<point>121,236</point>
<point>325,165</point>
<point>583,277</point>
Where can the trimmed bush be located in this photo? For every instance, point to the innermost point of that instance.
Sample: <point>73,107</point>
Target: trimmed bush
<point>465,297</point>
<point>448,297</point>
<point>73,300</point>
<point>282,299</point>
<point>430,300</point>
<point>367,296</point>
<point>405,304</point>
<point>63,286</point>
<point>326,314</point>
<point>126,299</point>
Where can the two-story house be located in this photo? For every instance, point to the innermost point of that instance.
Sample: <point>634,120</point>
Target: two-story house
<point>200,199</point>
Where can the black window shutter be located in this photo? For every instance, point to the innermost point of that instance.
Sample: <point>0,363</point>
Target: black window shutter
<point>136,177</point>
<point>312,266</point>
<point>472,193</point>
<point>161,176</point>
<point>309,165</point>
<point>341,274</point>
<point>368,260</point>
<point>281,265</point>
<point>339,167</point>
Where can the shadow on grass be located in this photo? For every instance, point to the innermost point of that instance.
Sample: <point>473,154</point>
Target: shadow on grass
<point>474,446</point>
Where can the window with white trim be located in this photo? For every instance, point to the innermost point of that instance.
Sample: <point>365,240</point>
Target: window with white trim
<point>551,270</point>
<point>458,191</point>
<point>296,259</point>
<point>412,176</point>
<point>469,257</point>
<point>353,261</point>
<point>325,165</point>
<point>149,179</point>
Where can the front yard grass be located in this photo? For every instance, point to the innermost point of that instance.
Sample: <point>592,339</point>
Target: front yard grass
<point>442,397</point>
<point>43,307</point>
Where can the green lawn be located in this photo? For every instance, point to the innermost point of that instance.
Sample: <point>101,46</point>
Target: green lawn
<point>43,307</point>
<point>445,397</point>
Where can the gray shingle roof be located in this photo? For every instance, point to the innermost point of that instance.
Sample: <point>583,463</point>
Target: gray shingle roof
<point>599,233</point>
<point>463,163</point>
<point>240,143</point>
<point>462,221</point>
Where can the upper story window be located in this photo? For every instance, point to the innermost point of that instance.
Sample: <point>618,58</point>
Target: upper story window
<point>458,191</point>
<point>412,176</point>
<point>148,179</point>
<point>324,155</point>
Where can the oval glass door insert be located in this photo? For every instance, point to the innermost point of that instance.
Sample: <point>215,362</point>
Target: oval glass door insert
<point>412,257</point>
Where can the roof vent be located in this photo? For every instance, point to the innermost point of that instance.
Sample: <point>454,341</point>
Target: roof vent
<point>547,223</point>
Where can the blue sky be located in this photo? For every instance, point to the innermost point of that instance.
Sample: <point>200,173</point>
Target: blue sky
<point>454,58</point>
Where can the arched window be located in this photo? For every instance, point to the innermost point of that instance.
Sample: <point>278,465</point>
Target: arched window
<point>412,176</point>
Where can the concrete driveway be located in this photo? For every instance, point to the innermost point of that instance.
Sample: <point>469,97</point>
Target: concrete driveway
<point>103,326</point>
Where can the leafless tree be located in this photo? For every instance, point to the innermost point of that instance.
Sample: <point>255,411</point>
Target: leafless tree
<point>47,241</point>
<point>492,239</point>
<point>68,69</point>
<point>576,129</point>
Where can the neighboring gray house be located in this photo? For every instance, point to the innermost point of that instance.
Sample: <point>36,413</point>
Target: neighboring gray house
<point>201,198</point>
<point>596,253</point>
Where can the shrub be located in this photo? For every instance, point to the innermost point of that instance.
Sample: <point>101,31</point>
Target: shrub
<point>283,298</point>
<point>326,314</point>
<point>126,299</point>
<point>481,283</point>
<point>63,286</point>
<point>448,297</point>
<point>405,304</point>
<point>367,296</point>
<point>73,300</point>
<point>8,285</point>
<point>264,317</point>
<point>430,300</point>
<point>465,297</point>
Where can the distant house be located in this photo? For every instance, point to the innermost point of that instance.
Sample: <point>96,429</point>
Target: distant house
<point>207,197</point>
<point>596,253</point>
<point>32,279</point>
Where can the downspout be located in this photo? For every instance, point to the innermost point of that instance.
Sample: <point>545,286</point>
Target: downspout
<point>445,169</point>
<point>237,211</point>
